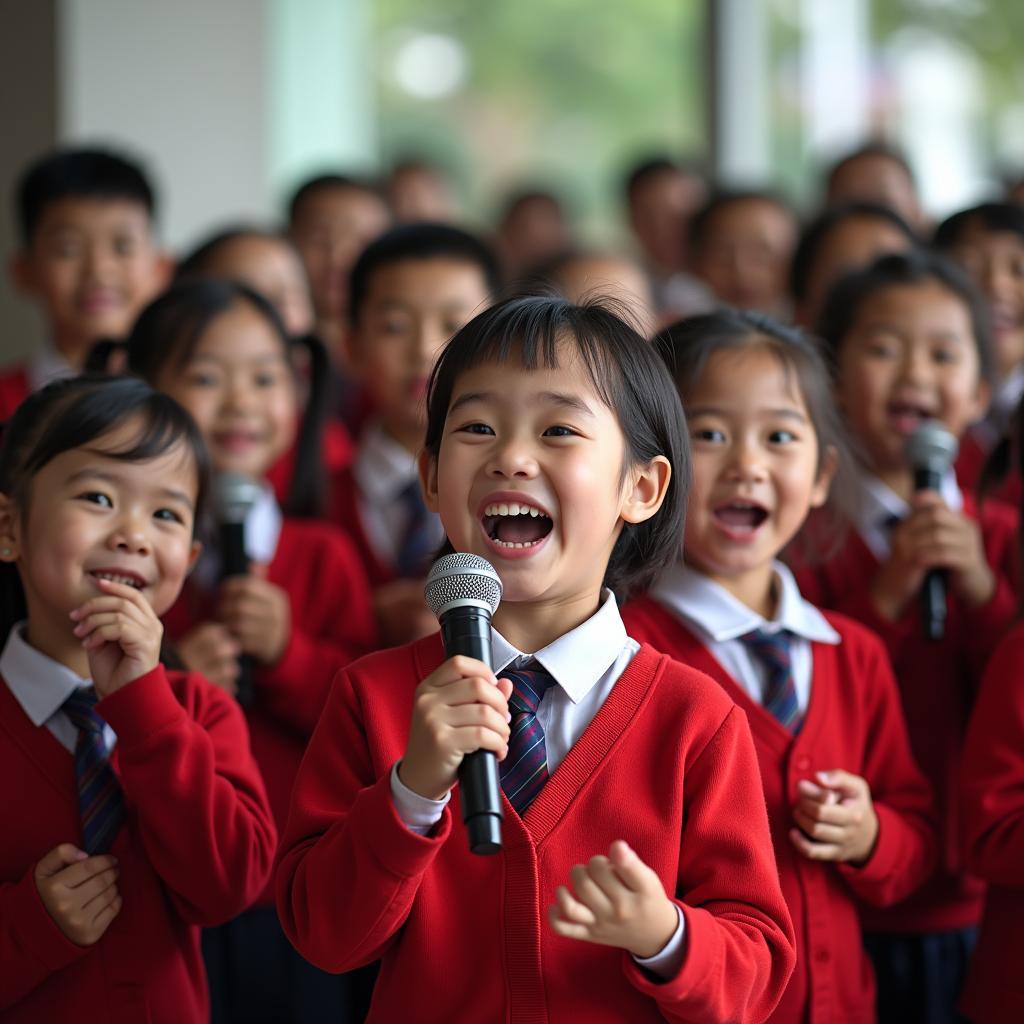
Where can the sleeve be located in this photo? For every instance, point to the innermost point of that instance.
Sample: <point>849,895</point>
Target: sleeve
<point>32,947</point>
<point>197,794</point>
<point>740,946</point>
<point>993,770</point>
<point>348,869</point>
<point>906,847</point>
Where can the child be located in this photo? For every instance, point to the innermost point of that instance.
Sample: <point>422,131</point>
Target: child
<point>673,908</point>
<point>848,807</point>
<point>534,226</point>
<point>301,613</point>
<point>910,343</point>
<point>876,173</point>
<point>100,485</point>
<point>410,291</point>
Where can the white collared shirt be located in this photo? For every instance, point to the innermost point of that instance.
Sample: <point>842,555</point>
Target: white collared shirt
<point>41,685</point>
<point>46,364</point>
<point>383,469</point>
<point>720,619</point>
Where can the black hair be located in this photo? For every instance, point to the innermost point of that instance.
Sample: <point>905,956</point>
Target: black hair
<point>528,194</point>
<point>71,413</point>
<point>627,375</point>
<point>198,261</point>
<point>816,233</point>
<point>876,148</point>
<point>79,174</point>
<point>701,220</point>
<point>995,217</point>
<point>419,242</point>
<point>653,166</point>
<point>167,332</point>
<point>326,182</point>
<point>906,269</point>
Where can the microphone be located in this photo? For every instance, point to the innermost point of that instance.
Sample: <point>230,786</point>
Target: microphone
<point>464,591</point>
<point>234,496</point>
<point>930,450</point>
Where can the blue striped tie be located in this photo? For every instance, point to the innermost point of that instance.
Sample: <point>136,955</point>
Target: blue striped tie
<point>100,800</point>
<point>779,696</point>
<point>525,770</point>
<point>419,539</point>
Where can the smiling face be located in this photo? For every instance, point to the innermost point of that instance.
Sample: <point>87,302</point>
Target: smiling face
<point>909,356</point>
<point>756,471</point>
<point>241,391</point>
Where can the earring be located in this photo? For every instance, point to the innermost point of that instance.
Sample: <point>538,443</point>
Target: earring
<point>6,552</point>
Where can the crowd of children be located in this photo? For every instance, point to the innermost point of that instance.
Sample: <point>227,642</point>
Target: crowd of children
<point>744,775</point>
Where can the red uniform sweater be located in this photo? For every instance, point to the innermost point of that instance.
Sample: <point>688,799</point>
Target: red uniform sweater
<point>936,682</point>
<point>336,452</point>
<point>195,849</point>
<point>993,792</point>
<point>332,624</point>
<point>667,764</point>
<point>14,390</point>
<point>853,722</point>
<point>969,465</point>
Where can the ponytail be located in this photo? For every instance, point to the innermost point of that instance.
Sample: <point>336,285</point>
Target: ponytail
<point>306,496</point>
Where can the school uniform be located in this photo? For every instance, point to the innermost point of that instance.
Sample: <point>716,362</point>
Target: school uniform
<point>194,847</point>
<point>19,381</point>
<point>336,453</point>
<point>849,718</point>
<point>977,443</point>
<point>640,748</point>
<point>993,803</point>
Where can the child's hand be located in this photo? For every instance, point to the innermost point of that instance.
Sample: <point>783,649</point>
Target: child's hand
<point>257,613</point>
<point>212,651</point>
<point>121,635</point>
<point>460,707</point>
<point>79,892</point>
<point>616,901</point>
<point>836,817</point>
<point>402,613</point>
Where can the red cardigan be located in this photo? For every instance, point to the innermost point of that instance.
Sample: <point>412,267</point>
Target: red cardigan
<point>937,681</point>
<point>853,722</point>
<point>14,390</point>
<point>336,451</point>
<point>667,764</point>
<point>969,465</point>
<point>332,624</point>
<point>993,802</point>
<point>195,850</point>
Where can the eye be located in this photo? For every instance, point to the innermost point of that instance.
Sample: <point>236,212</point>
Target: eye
<point>476,428</point>
<point>559,431</point>
<point>946,356</point>
<point>782,437</point>
<point>708,434</point>
<point>124,246</point>
<point>168,515</point>
<point>96,498</point>
<point>267,379</point>
<point>199,379</point>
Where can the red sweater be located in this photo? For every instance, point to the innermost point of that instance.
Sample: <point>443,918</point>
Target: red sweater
<point>336,452</point>
<point>937,681</point>
<point>14,390</point>
<point>969,465</point>
<point>195,850</point>
<point>853,722</point>
<point>667,764</point>
<point>993,801</point>
<point>332,624</point>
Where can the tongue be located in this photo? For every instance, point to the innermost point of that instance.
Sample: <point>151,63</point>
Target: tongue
<point>740,517</point>
<point>521,529</point>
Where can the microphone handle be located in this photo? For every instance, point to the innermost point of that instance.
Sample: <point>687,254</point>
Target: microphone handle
<point>467,631</point>
<point>235,562</point>
<point>933,592</point>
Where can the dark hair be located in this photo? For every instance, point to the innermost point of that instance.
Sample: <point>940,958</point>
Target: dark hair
<point>994,217</point>
<point>874,147</point>
<point>198,261</point>
<point>419,242</point>
<point>626,374</point>
<point>70,414</point>
<point>814,236</point>
<point>906,269</point>
<point>79,174</point>
<point>326,182</point>
<point>701,220</point>
<point>512,203</point>
<point>655,165</point>
<point>167,332</point>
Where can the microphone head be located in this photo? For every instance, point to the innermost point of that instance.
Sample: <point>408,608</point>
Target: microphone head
<point>233,495</point>
<point>931,446</point>
<point>459,581</point>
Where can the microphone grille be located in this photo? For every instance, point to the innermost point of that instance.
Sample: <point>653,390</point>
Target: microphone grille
<point>234,495</point>
<point>931,445</point>
<point>462,579</point>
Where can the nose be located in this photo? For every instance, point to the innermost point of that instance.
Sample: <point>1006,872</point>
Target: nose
<point>100,259</point>
<point>429,339</point>
<point>130,535</point>
<point>745,461</point>
<point>512,459</point>
<point>916,365</point>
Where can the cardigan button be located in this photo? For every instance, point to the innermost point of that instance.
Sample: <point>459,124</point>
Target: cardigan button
<point>803,763</point>
<point>823,956</point>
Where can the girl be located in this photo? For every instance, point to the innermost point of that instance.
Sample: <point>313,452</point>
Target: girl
<point>100,484</point>
<point>847,806</point>
<point>555,449</point>
<point>910,342</point>
<point>301,612</point>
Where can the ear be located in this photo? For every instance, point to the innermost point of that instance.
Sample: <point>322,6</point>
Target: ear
<point>982,400</point>
<point>827,473</point>
<point>166,265</point>
<point>10,546</point>
<point>646,490</point>
<point>426,465</point>
<point>193,557</point>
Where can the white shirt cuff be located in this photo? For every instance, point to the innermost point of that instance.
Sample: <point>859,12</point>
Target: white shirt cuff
<point>669,961</point>
<point>419,814</point>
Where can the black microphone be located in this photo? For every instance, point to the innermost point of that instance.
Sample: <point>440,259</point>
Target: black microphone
<point>464,591</point>
<point>235,495</point>
<point>931,450</point>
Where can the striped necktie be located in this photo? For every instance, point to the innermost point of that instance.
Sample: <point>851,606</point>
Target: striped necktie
<point>100,800</point>
<point>419,538</point>
<point>525,770</point>
<point>779,695</point>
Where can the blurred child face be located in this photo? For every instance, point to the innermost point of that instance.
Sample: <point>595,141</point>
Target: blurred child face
<point>411,309</point>
<point>90,516</point>
<point>659,209</point>
<point>332,226</point>
<point>418,193</point>
<point>877,178</point>
<point>534,231</point>
<point>240,389</point>
<point>745,253</point>
<point>910,355</point>
<point>755,464</point>
<point>995,260</point>
<point>622,280</point>
<point>93,265</point>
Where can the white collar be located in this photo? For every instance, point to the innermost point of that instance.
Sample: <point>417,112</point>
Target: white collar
<point>383,468</point>
<point>579,658</point>
<point>876,502</point>
<point>45,365</point>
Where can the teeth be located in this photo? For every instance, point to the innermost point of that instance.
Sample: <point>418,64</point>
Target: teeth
<point>517,544</point>
<point>512,508</point>
<point>128,581</point>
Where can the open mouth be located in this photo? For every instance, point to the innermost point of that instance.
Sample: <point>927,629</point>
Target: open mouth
<point>125,578</point>
<point>740,517</point>
<point>906,417</point>
<point>515,525</point>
